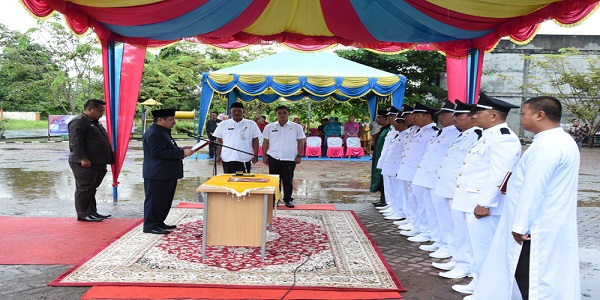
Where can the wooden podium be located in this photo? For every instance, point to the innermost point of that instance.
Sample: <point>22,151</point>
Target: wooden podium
<point>237,214</point>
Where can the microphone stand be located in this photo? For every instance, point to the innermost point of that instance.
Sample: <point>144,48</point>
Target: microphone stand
<point>200,138</point>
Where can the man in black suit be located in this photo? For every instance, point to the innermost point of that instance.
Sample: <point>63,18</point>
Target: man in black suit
<point>211,126</point>
<point>90,152</point>
<point>162,167</point>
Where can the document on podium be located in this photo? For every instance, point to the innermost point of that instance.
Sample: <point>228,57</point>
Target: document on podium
<point>200,145</point>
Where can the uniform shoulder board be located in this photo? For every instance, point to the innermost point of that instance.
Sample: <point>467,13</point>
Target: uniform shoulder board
<point>504,130</point>
<point>479,133</point>
<point>435,128</point>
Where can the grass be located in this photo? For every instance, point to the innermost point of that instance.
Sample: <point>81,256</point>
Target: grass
<point>25,124</point>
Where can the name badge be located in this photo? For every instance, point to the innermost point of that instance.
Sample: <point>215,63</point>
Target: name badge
<point>230,128</point>
<point>274,130</point>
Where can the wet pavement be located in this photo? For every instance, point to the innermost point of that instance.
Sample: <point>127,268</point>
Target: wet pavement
<point>35,180</point>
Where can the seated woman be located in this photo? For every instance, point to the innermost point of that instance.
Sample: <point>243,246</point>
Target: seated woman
<point>297,121</point>
<point>350,128</point>
<point>332,128</point>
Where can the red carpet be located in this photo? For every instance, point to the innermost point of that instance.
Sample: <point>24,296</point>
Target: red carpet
<point>279,207</point>
<point>135,292</point>
<point>55,241</point>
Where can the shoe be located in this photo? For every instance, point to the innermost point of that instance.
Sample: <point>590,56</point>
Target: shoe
<point>97,215</point>
<point>441,253</point>
<point>165,226</point>
<point>470,297</point>
<point>90,219</point>
<point>409,232</point>
<point>408,226</point>
<point>377,203</point>
<point>156,231</point>
<point>430,248</point>
<point>211,157</point>
<point>380,205</point>
<point>454,274</point>
<point>402,222</point>
<point>394,217</point>
<point>386,210</point>
<point>465,288</point>
<point>420,238</point>
<point>445,266</point>
<point>289,204</point>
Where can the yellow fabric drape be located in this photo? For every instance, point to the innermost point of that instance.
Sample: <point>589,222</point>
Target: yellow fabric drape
<point>493,8</point>
<point>241,189</point>
<point>295,16</point>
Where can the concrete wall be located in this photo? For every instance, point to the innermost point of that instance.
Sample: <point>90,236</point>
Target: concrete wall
<point>505,70</point>
<point>30,116</point>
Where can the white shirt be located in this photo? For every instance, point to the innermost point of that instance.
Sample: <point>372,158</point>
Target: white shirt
<point>283,141</point>
<point>426,175</point>
<point>414,149</point>
<point>237,135</point>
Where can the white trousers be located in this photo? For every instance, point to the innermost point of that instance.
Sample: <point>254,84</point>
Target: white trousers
<point>409,202</point>
<point>441,217</point>
<point>421,195</point>
<point>459,243</point>
<point>394,194</point>
<point>481,233</point>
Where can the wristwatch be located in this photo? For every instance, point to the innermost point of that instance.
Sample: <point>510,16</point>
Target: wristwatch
<point>298,155</point>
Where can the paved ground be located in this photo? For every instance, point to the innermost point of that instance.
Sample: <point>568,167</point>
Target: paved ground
<point>35,180</point>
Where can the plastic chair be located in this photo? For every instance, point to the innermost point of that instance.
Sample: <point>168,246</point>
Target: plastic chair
<point>313,146</point>
<point>260,142</point>
<point>334,147</point>
<point>353,147</point>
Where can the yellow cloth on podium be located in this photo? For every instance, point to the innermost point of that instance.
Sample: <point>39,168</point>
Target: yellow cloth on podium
<point>241,188</point>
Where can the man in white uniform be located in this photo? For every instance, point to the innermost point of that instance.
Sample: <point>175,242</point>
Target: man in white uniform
<point>238,133</point>
<point>477,185</point>
<point>414,149</point>
<point>456,233</point>
<point>283,146</point>
<point>426,178</point>
<point>393,186</point>
<point>536,240</point>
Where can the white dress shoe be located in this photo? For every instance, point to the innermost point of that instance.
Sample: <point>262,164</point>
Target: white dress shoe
<point>470,297</point>
<point>431,247</point>
<point>402,222</point>
<point>409,232</point>
<point>454,274</point>
<point>465,288</point>
<point>419,238</point>
<point>445,266</point>
<point>441,253</point>
<point>393,217</point>
<point>382,207</point>
<point>387,210</point>
<point>408,226</point>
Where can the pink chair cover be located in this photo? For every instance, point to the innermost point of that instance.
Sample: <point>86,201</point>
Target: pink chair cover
<point>313,146</point>
<point>353,147</point>
<point>334,147</point>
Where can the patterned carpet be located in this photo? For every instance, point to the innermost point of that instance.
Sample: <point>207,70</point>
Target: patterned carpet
<point>327,249</point>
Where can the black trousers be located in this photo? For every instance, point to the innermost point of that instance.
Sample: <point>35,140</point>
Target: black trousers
<point>212,147</point>
<point>234,166</point>
<point>285,169</point>
<point>159,198</point>
<point>381,190</point>
<point>522,272</point>
<point>87,180</point>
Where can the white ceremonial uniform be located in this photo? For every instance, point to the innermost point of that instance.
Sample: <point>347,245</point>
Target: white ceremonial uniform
<point>282,144</point>
<point>414,149</point>
<point>237,135</point>
<point>409,206</point>
<point>426,177</point>
<point>394,193</point>
<point>386,145</point>
<point>487,162</point>
<point>541,198</point>
<point>457,236</point>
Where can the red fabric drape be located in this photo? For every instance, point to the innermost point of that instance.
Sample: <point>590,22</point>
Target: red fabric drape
<point>456,72</point>
<point>131,77</point>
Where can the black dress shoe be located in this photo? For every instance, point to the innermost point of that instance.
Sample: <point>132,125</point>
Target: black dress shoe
<point>165,226</point>
<point>156,231</point>
<point>376,203</point>
<point>97,215</point>
<point>289,204</point>
<point>89,219</point>
<point>380,204</point>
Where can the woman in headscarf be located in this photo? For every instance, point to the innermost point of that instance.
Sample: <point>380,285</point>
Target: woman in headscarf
<point>350,128</point>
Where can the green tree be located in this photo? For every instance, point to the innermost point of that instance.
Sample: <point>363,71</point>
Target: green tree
<point>423,70</point>
<point>573,79</point>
